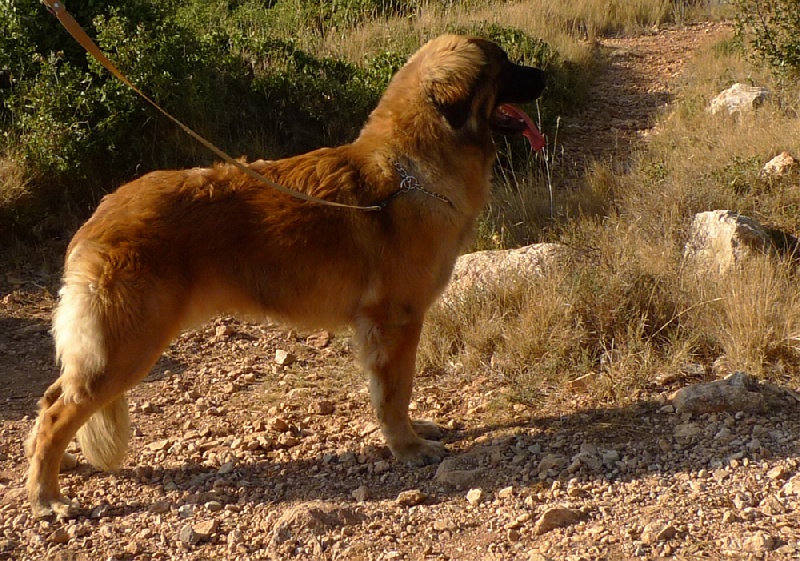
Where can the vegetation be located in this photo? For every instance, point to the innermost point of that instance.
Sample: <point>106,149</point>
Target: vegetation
<point>772,27</point>
<point>271,78</point>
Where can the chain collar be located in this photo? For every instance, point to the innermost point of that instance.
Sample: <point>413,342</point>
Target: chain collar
<point>410,183</point>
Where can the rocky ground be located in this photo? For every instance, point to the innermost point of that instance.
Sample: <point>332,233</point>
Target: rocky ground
<point>255,442</point>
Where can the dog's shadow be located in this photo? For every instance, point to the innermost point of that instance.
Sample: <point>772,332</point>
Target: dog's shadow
<point>619,445</point>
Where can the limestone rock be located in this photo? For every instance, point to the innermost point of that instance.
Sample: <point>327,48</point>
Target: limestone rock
<point>738,98</point>
<point>459,472</point>
<point>658,532</point>
<point>412,497</point>
<point>737,392</point>
<point>556,517</point>
<point>779,166</point>
<point>473,270</point>
<point>720,239</point>
<point>315,517</point>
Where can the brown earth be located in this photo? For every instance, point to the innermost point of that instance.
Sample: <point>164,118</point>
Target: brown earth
<point>237,457</point>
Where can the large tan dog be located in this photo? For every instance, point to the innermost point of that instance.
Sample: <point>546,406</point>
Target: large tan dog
<point>173,248</point>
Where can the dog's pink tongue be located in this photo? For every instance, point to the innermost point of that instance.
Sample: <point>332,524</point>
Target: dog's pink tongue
<point>533,135</point>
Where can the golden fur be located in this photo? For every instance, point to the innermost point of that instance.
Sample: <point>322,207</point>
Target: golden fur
<point>173,248</point>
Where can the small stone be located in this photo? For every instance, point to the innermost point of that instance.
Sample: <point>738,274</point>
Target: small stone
<point>186,511</point>
<point>159,445</point>
<point>68,461</point>
<point>412,497</point>
<point>361,494</point>
<point>452,472</point>
<point>658,532</point>
<point>319,340</point>
<point>323,407</point>
<point>739,98</point>
<point>442,524</point>
<point>59,535</point>
<point>223,330</point>
<point>778,472</point>
<point>557,517</point>
<point>792,487</point>
<point>159,507</point>
<point>225,468</point>
<point>133,548</point>
<point>284,358</point>
<point>187,535</point>
<point>205,529</point>
<point>279,425</point>
<point>505,493</point>
<point>513,535</point>
<point>759,543</point>
<point>536,556</point>
<point>213,506</point>
<point>474,496</point>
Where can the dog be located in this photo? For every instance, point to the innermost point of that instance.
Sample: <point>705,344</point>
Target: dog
<point>173,248</point>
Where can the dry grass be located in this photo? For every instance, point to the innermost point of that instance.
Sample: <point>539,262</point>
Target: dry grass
<point>627,308</point>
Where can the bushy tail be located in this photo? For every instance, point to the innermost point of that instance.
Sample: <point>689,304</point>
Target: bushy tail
<point>104,438</point>
<point>80,331</point>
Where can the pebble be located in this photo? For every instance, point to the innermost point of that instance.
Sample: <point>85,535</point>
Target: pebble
<point>412,497</point>
<point>556,517</point>
<point>284,358</point>
<point>474,496</point>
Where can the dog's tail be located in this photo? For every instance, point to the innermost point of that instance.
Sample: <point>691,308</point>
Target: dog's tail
<point>104,438</point>
<point>80,329</point>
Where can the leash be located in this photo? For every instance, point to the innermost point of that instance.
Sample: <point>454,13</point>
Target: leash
<point>58,9</point>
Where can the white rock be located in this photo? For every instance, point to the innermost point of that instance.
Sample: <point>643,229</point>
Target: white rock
<point>738,98</point>
<point>284,358</point>
<point>779,165</point>
<point>473,270</point>
<point>474,496</point>
<point>720,239</point>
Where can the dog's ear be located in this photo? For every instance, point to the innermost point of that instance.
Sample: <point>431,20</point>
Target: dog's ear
<point>450,75</point>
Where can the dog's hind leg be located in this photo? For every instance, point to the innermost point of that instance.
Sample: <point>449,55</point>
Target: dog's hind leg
<point>106,344</point>
<point>388,353</point>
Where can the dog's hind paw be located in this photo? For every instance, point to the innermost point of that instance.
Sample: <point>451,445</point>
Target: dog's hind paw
<point>60,507</point>
<point>421,452</point>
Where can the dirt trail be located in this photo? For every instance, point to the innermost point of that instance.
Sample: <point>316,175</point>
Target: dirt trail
<point>236,457</point>
<point>633,88</point>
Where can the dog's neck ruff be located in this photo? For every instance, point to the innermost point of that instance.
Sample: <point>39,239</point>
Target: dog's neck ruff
<point>410,183</point>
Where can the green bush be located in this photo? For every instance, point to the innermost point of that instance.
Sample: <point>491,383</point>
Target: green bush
<point>246,92</point>
<point>772,28</point>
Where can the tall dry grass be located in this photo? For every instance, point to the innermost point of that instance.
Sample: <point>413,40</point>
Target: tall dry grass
<point>626,308</point>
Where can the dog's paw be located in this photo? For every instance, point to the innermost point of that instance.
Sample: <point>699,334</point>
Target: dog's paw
<point>421,452</point>
<point>60,507</point>
<point>427,429</point>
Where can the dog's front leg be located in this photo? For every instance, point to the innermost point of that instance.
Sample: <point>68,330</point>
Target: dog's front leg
<point>388,353</point>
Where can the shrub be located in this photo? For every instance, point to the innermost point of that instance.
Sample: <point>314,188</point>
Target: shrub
<point>79,129</point>
<point>772,27</point>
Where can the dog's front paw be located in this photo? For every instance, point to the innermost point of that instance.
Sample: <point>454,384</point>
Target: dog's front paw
<point>420,452</point>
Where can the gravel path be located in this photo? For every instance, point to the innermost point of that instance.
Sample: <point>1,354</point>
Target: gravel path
<point>236,456</point>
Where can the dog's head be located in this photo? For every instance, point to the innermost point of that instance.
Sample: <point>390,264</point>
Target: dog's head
<point>467,84</point>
